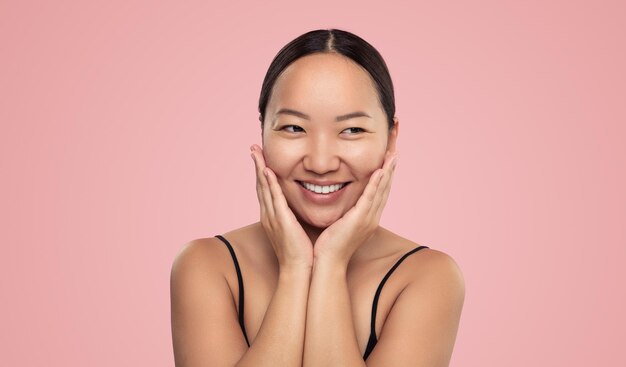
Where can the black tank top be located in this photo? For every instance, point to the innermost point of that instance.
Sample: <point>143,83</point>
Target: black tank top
<point>371,343</point>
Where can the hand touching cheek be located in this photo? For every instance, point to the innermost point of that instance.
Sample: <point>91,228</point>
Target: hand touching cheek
<point>292,246</point>
<point>340,240</point>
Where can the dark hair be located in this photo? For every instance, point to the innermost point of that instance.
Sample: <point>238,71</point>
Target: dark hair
<point>328,41</point>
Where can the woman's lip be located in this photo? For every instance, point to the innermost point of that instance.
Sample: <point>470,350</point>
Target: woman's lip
<point>323,199</point>
<point>324,183</point>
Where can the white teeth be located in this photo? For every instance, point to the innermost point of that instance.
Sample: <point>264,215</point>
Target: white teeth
<point>322,189</point>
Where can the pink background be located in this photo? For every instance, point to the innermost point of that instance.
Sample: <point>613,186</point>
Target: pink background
<point>125,134</point>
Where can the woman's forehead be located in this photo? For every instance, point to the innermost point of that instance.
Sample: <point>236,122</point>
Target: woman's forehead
<point>324,81</point>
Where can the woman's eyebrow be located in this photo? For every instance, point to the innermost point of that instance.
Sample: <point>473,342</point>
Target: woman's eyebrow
<point>289,111</point>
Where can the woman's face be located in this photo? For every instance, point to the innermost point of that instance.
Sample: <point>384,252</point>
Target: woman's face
<point>312,145</point>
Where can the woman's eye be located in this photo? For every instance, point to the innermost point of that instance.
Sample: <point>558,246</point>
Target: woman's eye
<point>355,130</point>
<point>292,126</point>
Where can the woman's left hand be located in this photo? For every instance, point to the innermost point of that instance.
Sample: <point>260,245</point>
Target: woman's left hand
<point>340,240</point>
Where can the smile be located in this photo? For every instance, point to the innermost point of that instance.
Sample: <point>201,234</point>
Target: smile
<point>322,189</point>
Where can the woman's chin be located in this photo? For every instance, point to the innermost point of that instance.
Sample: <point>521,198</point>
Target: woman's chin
<point>321,221</point>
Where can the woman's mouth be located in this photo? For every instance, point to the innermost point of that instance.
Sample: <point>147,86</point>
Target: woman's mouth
<point>319,189</point>
<point>322,194</point>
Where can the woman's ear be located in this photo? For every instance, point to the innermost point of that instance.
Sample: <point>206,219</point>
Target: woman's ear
<point>393,135</point>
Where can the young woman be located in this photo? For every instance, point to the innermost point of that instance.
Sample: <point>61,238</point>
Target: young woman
<point>325,284</point>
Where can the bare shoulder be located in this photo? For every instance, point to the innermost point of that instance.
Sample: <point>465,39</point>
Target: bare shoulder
<point>425,317</point>
<point>429,264</point>
<point>434,264</point>
<point>200,253</point>
<point>434,275</point>
<point>205,327</point>
<point>210,253</point>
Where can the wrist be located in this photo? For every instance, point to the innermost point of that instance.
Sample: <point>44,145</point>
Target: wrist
<point>330,264</point>
<point>295,270</point>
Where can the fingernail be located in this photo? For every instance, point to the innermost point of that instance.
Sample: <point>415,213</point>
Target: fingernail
<point>265,171</point>
<point>251,148</point>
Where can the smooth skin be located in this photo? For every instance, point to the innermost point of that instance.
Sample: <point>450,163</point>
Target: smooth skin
<point>311,271</point>
<point>340,240</point>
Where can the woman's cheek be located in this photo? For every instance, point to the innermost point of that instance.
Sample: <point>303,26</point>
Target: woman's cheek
<point>366,165</point>
<point>276,158</point>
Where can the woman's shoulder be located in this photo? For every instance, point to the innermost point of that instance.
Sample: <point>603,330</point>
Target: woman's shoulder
<point>200,256</point>
<point>212,253</point>
<point>425,260</point>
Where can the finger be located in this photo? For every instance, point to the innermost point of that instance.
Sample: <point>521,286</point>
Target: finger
<point>279,202</point>
<point>379,197</point>
<point>367,197</point>
<point>263,186</point>
<point>259,189</point>
<point>257,179</point>
<point>387,190</point>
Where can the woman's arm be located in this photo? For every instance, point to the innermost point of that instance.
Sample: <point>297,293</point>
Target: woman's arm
<point>280,341</point>
<point>420,329</point>
<point>205,327</point>
<point>330,336</point>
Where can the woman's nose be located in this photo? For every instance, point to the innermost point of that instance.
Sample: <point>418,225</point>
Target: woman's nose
<point>321,158</point>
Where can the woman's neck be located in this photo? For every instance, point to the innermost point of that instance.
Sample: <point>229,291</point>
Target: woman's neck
<point>311,231</point>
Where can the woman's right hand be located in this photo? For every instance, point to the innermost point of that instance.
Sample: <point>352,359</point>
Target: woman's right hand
<point>291,244</point>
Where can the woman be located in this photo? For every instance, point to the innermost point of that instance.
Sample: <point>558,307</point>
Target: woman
<point>315,264</point>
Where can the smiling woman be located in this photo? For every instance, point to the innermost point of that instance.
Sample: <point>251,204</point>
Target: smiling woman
<point>315,264</point>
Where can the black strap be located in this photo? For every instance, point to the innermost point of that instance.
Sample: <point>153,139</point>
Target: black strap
<point>240,280</point>
<point>372,339</point>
